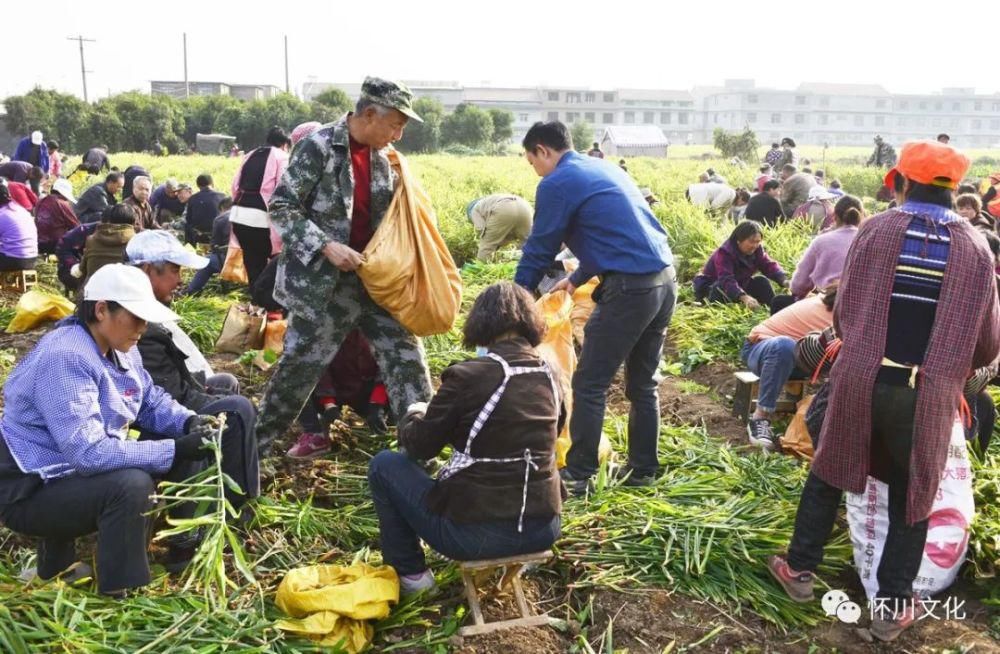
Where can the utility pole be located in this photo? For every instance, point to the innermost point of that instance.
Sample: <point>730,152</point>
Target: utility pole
<point>83,66</point>
<point>187,88</point>
<point>287,87</point>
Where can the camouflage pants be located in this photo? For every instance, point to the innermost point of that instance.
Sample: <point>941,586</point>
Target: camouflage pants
<point>313,339</point>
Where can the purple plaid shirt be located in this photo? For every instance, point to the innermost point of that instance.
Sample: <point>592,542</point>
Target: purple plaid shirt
<point>965,336</point>
<point>68,409</point>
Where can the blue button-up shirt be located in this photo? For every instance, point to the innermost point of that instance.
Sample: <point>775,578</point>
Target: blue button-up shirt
<point>595,208</point>
<point>68,409</point>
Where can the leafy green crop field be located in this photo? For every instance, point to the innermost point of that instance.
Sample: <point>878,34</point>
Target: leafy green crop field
<point>702,532</point>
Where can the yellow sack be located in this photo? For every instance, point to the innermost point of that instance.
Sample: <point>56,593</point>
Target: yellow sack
<point>796,438</point>
<point>332,603</point>
<point>234,270</point>
<point>583,302</point>
<point>557,349</point>
<point>36,307</point>
<point>407,269</point>
<point>583,306</point>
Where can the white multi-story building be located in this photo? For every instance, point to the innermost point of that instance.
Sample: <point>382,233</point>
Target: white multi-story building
<point>812,113</point>
<point>848,114</point>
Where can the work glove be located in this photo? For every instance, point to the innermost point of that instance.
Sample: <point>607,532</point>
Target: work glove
<point>192,446</point>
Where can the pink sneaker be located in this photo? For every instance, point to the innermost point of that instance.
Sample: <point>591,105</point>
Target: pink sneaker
<point>309,446</point>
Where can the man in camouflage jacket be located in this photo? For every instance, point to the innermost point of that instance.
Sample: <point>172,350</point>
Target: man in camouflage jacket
<point>883,156</point>
<point>324,227</point>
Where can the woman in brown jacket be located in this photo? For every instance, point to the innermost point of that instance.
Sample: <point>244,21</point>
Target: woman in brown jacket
<point>499,494</point>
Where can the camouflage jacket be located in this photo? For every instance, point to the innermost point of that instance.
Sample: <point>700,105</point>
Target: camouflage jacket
<point>884,156</point>
<point>312,206</point>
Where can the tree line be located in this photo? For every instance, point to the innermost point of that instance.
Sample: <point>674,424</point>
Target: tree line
<point>134,121</point>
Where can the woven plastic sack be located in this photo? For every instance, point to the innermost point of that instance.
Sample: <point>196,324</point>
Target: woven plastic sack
<point>36,307</point>
<point>331,604</point>
<point>242,330</point>
<point>947,530</point>
<point>407,268</point>
<point>557,349</point>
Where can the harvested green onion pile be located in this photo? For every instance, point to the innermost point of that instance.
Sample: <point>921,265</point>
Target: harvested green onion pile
<point>705,529</point>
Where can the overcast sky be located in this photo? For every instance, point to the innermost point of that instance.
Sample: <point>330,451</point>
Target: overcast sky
<point>629,44</point>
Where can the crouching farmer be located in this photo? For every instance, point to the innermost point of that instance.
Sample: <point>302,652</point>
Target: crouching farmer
<point>499,494</point>
<point>176,365</point>
<point>68,467</point>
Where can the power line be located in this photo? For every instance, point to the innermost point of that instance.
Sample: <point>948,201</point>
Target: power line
<point>83,66</point>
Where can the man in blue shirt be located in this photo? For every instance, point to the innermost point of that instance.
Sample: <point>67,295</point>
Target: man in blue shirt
<point>596,209</point>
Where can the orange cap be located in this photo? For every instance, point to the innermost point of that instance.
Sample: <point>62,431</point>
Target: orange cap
<point>930,162</point>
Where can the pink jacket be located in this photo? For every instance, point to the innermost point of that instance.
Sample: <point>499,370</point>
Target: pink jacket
<point>277,161</point>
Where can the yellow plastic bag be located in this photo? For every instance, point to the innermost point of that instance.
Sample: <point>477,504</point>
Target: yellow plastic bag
<point>407,269</point>
<point>331,604</point>
<point>796,438</point>
<point>36,307</point>
<point>234,270</point>
<point>583,306</point>
<point>557,349</point>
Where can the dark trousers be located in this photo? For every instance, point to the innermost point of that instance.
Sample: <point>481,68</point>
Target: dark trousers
<point>15,263</point>
<point>239,454</point>
<point>781,302</point>
<point>759,288</point>
<point>113,504</point>
<point>399,487</point>
<point>628,326</point>
<point>256,245</point>
<point>201,277</point>
<point>893,408</point>
<point>985,418</point>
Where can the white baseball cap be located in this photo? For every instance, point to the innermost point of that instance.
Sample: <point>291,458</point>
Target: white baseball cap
<point>820,193</point>
<point>159,246</point>
<point>36,137</point>
<point>130,288</point>
<point>64,188</point>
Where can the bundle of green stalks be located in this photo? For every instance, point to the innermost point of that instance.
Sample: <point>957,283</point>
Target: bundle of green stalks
<point>213,522</point>
<point>705,528</point>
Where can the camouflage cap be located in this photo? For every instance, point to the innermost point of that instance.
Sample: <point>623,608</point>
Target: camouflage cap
<point>387,93</point>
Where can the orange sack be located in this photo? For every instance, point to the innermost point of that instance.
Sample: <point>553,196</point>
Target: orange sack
<point>407,268</point>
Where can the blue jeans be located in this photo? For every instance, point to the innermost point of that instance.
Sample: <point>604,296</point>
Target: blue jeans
<point>399,487</point>
<point>773,360</point>
<point>215,263</point>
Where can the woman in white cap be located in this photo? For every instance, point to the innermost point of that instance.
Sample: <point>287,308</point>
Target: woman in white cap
<point>35,151</point>
<point>67,465</point>
<point>818,209</point>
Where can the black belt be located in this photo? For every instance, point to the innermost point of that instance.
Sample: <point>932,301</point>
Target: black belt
<point>639,278</point>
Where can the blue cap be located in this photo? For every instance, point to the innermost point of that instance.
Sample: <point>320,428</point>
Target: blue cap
<point>469,207</point>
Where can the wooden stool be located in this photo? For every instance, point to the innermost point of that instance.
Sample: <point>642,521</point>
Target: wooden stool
<point>18,280</point>
<point>477,572</point>
<point>747,387</point>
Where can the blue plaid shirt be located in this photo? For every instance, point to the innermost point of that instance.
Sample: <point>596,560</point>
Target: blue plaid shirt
<point>68,409</point>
